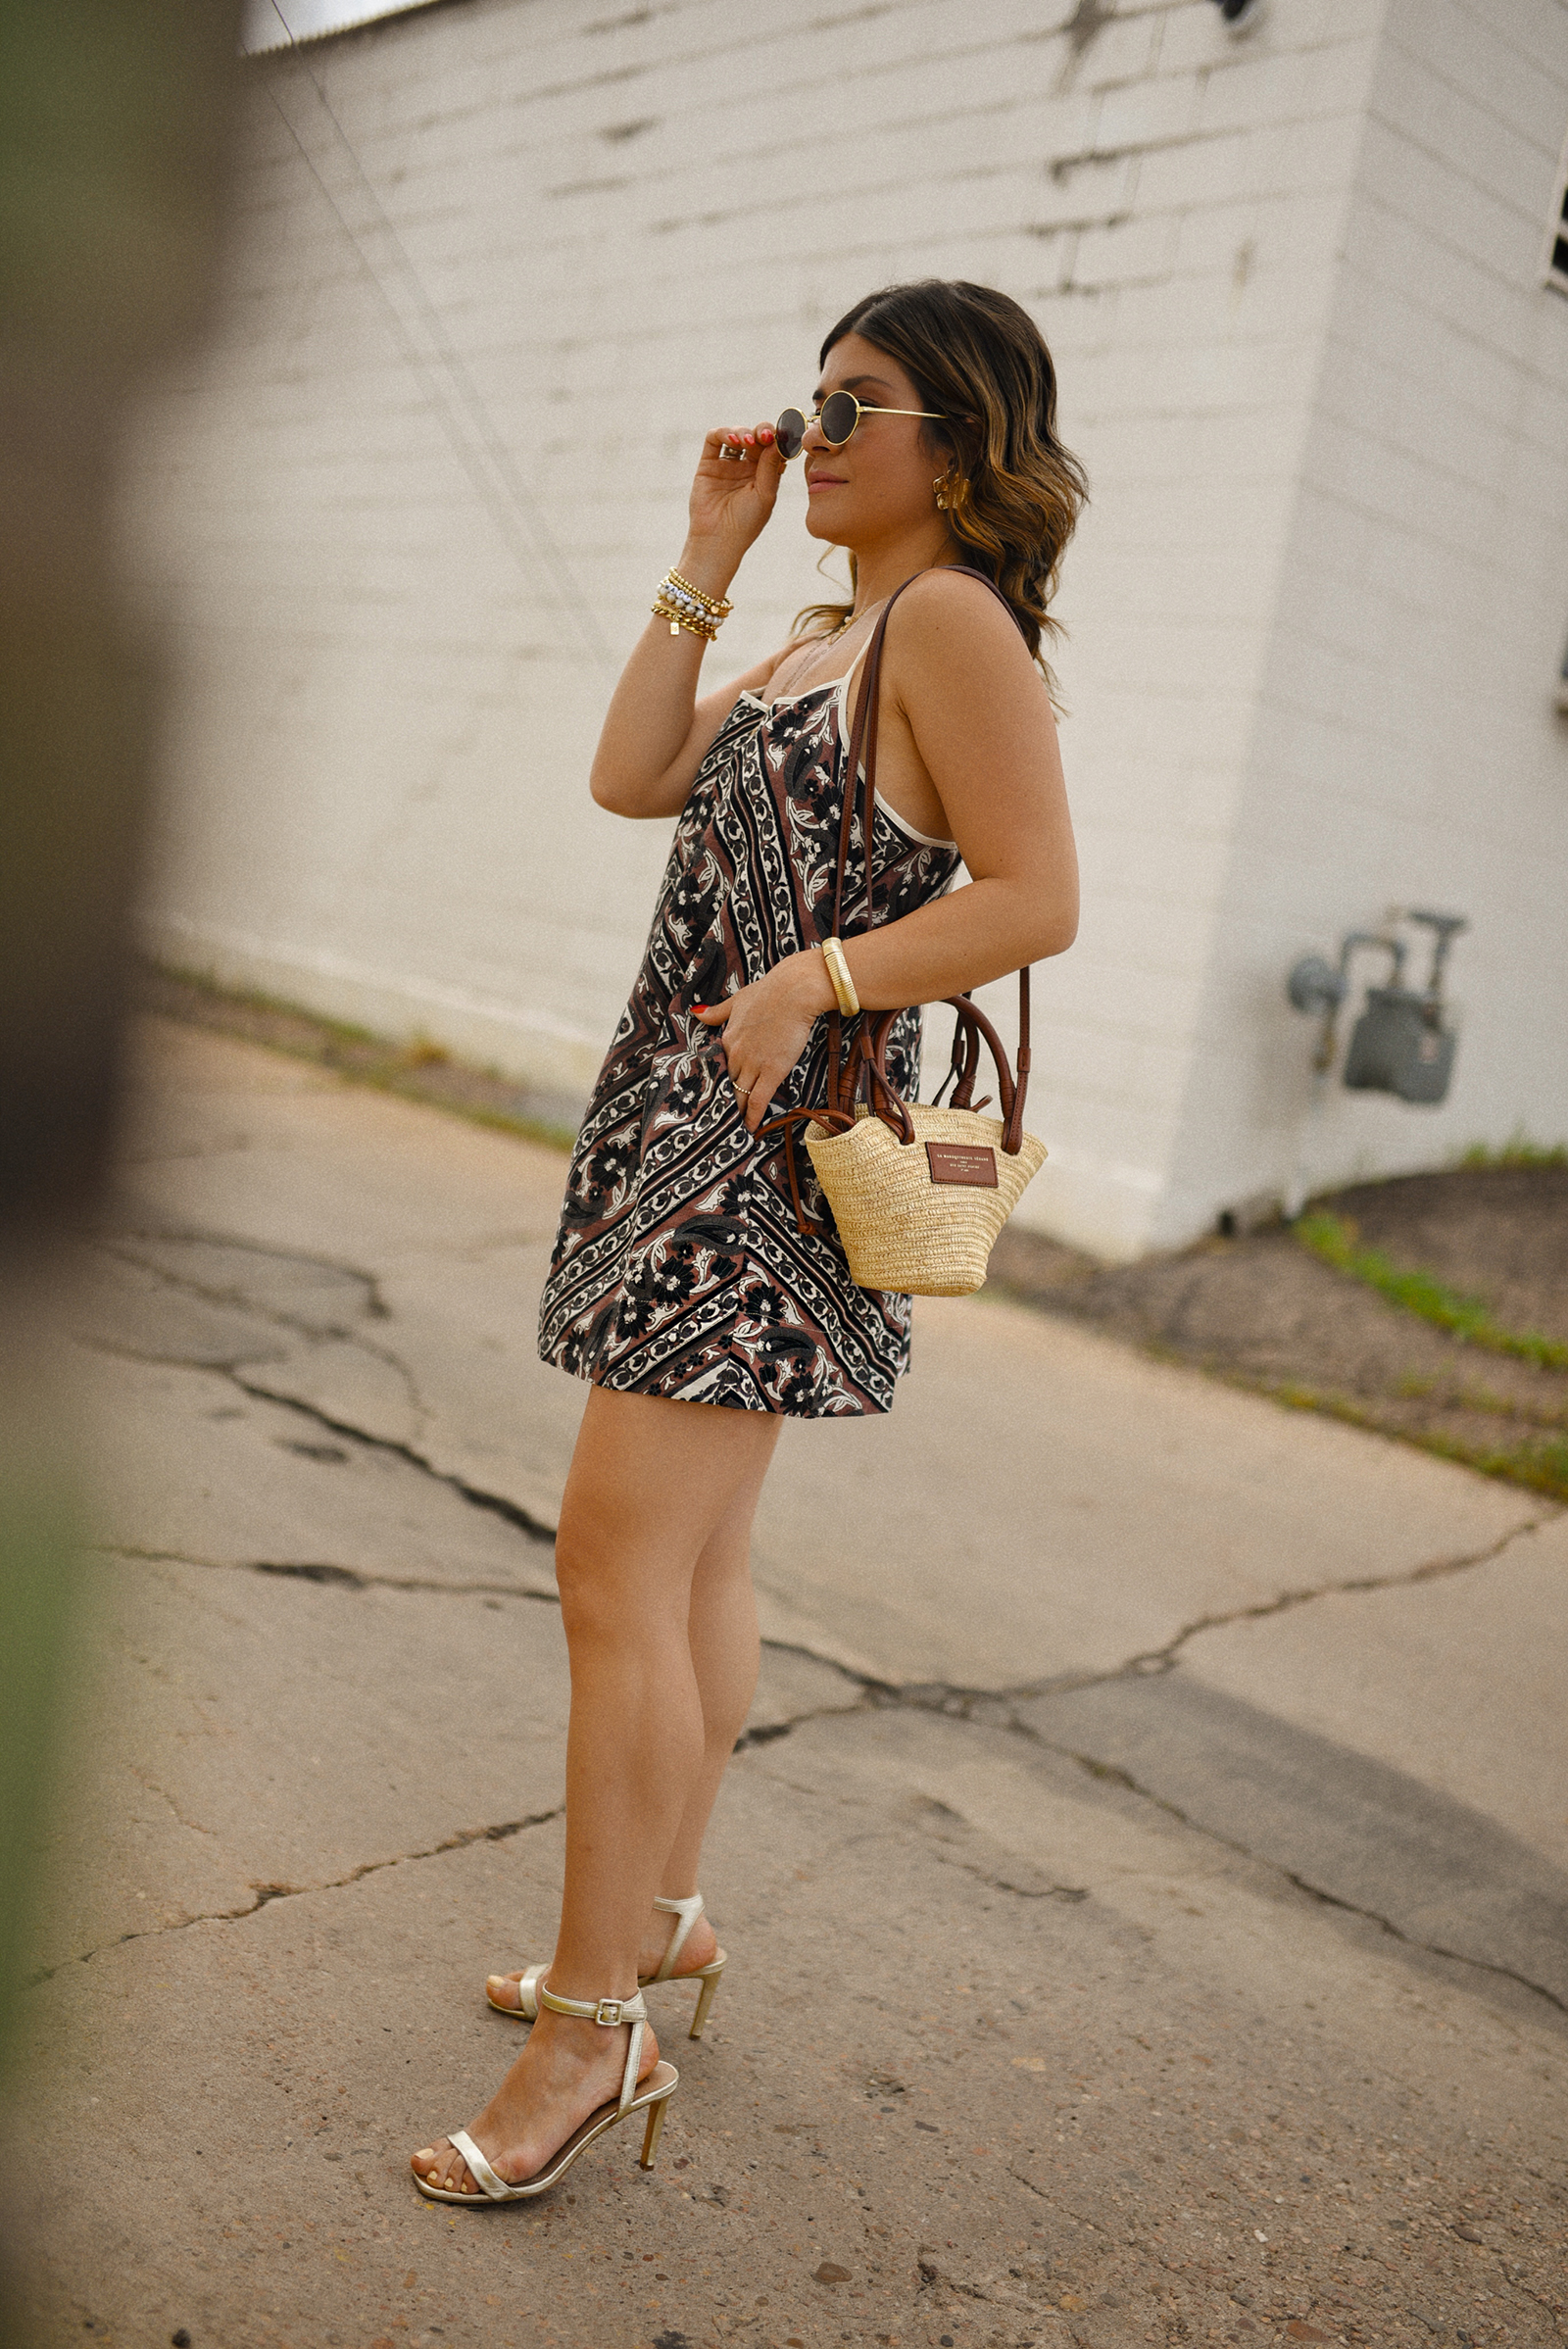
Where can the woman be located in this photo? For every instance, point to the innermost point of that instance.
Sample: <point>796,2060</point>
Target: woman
<point>682,1287</point>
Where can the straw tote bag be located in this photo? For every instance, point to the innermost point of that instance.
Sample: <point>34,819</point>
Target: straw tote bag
<point>918,1192</point>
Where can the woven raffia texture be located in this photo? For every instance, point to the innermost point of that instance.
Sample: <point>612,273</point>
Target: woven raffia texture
<point>901,1229</point>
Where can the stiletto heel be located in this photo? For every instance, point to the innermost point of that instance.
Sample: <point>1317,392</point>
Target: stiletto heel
<point>704,2001</point>
<point>686,1912</point>
<point>653,2132</point>
<point>650,2098</point>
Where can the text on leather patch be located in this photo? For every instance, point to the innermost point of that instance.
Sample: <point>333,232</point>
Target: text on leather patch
<point>963,1162</point>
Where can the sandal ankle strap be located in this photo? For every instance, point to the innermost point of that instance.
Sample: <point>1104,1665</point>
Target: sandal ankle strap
<point>611,2013</point>
<point>688,1911</point>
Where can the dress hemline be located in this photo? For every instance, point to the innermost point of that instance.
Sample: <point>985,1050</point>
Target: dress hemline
<point>870,1411</point>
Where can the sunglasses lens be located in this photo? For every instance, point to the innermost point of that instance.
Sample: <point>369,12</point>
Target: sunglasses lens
<point>841,413</point>
<point>788,434</point>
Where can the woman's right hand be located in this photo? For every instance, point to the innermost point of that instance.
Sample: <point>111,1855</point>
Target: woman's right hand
<point>732,497</point>
<point>655,731</point>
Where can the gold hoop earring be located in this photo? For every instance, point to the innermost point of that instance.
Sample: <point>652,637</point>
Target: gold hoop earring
<point>951,492</point>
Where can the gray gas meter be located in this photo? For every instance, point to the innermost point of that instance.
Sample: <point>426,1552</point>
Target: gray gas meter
<point>1397,1047</point>
<point>1403,1042</point>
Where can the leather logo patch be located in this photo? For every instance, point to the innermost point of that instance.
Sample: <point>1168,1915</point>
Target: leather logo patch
<point>963,1162</point>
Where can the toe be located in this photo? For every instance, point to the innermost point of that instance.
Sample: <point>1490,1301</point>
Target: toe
<point>504,1991</point>
<point>439,2164</point>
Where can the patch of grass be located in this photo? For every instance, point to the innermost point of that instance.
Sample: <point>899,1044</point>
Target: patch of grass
<point>1335,1238</point>
<point>422,1052</point>
<point>1517,1150</point>
<point>419,1070</point>
<point>1506,1406</point>
<point>1540,1467</point>
<point>327,1033</point>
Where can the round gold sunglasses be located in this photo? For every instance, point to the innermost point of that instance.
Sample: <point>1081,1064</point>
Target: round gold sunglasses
<point>837,418</point>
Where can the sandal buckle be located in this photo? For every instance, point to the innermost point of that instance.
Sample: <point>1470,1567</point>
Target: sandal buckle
<point>609,2010</point>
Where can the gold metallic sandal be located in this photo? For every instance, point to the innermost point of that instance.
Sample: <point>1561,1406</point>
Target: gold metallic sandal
<point>687,1911</point>
<point>651,2096</point>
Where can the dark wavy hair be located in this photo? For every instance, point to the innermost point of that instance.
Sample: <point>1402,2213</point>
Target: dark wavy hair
<point>978,359</point>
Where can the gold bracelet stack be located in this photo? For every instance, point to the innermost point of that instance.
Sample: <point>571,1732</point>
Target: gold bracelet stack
<point>690,608</point>
<point>838,971</point>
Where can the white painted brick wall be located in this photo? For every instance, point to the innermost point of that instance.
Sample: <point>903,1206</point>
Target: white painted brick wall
<point>1406,749</point>
<point>412,504</point>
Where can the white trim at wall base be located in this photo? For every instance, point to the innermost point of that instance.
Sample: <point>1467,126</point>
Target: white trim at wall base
<point>530,1046</point>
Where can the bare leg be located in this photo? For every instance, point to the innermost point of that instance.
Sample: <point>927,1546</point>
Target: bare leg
<point>721,1630</point>
<point>656,1493</point>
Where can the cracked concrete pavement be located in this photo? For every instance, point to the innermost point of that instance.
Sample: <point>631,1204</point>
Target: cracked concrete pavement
<point>1148,1855</point>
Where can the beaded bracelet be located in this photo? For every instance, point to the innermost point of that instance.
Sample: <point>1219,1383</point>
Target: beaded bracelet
<point>718,607</point>
<point>686,606</point>
<point>687,602</point>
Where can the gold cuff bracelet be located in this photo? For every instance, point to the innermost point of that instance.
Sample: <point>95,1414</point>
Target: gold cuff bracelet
<point>838,971</point>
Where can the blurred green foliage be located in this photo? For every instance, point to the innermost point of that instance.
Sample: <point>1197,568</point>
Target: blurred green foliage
<point>115,130</point>
<point>1517,1150</point>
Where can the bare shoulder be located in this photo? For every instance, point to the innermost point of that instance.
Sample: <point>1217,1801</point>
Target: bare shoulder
<point>945,612</point>
<point>954,647</point>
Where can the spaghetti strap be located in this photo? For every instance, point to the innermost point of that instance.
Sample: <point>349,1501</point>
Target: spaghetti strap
<point>845,682</point>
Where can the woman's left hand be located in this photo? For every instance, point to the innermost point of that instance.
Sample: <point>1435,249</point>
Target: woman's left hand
<point>765,1027</point>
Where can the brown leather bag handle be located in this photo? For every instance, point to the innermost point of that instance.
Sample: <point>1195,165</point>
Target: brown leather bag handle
<point>863,766</point>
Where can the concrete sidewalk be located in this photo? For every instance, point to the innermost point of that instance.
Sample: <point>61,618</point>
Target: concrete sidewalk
<point>1149,1857</point>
